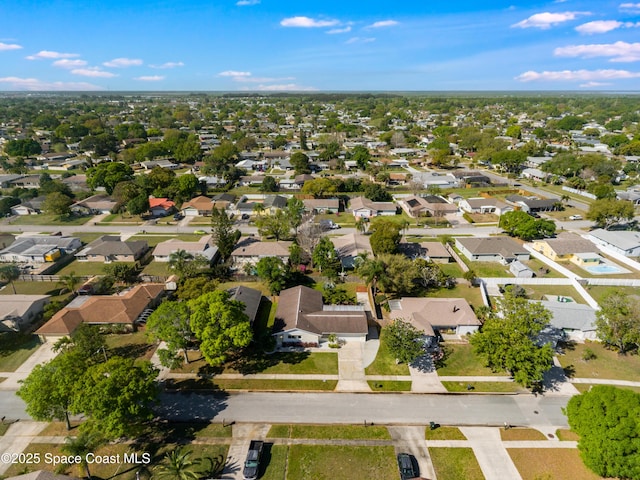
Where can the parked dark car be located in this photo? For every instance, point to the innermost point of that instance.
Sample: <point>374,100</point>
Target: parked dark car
<point>408,466</point>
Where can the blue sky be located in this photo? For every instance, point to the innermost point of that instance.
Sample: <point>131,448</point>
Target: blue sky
<point>271,45</point>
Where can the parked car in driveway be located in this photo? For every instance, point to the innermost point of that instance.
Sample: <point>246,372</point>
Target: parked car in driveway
<point>408,466</point>
<point>575,217</point>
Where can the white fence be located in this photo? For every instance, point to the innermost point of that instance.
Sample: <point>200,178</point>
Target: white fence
<point>579,192</point>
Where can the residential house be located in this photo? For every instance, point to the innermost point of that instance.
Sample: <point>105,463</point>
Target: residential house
<point>302,319</point>
<point>110,248</point>
<point>272,203</point>
<point>534,174</point>
<point>77,183</point>
<point>7,179</point>
<point>18,312</point>
<point>431,251</point>
<point>624,242</point>
<point>213,181</point>
<point>22,209</point>
<point>94,205</point>
<point>426,206</point>
<point>198,206</point>
<point>536,162</point>
<point>251,250</point>
<point>437,179</point>
<point>472,178</point>
<point>252,181</point>
<point>161,207</point>
<point>165,163</point>
<point>349,247</point>
<point>491,249</point>
<point>436,315</point>
<point>121,309</point>
<point>202,248</point>
<point>532,204</point>
<point>321,205</point>
<point>32,206</point>
<point>578,321</point>
<point>563,247</point>
<point>484,205</point>
<point>251,299</point>
<point>26,181</point>
<point>39,248</point>
<point>362,207</point>
<point>223,201</point>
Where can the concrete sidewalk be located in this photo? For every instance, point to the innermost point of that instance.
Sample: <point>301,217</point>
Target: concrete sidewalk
<point>491,454</point>
<point>17,438</point>
<point>43,354</point>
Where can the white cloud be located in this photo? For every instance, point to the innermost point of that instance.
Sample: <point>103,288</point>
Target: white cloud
<point>246,3</point>
<point>234,73</point>
<point>9,46</point>
<point>618,51</point>
<point>599,26</point>
<point>384,23</point>
<point>92,72</point>
<point>581,75</point>
<point>306,22</point>
<point>630,6</point>
<point>49,55</point>
<point>594,84</point>
<point>150,78</point>
<point>546,20</point>
<point>360,40</point>
<point>33,84</point>
<point>68,63</point>
<point>168,65</point>
<point>123,62</point>
<point>334,31</point>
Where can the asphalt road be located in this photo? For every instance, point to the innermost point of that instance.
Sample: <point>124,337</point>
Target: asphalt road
<point>337,408</point>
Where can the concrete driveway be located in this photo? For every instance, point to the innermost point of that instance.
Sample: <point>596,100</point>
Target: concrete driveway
<point>410,439</point>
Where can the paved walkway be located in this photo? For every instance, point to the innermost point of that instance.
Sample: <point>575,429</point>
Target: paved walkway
<point>491,454</point>
<point>43,354</point>
<point>424,377</point>
<point>17,438</point>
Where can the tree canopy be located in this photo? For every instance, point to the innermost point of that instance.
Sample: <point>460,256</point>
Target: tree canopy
<point>609,212</point>
<point>607,419</point>
<point>618,320</point>
<point>522,225</point>
<point>403,340</point>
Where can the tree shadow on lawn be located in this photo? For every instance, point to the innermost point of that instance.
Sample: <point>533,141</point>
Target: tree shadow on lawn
<point>256,361</point>
<point>11,342</point>
<point>131,350</point>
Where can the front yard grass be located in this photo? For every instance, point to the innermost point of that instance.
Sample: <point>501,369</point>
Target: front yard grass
<point>460,360</point>
<point>558,464</point>
<point>520,434</point>
<point>483,387</point>
<point>444,433</point>
<point>15,348</point>
<point>455,464</point>
<point>3,428</point>
<point>597,292</point>
<point>565,435</point>
<point>130,345</point>
<point>331,462</point>
<point>275,459</point>
<point>385,363</point>
<point>116,218</point>
<point>607,364</point>
<point>329,432</point>
<point>389,385</point>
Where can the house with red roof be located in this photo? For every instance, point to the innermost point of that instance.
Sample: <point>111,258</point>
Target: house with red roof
<point>161,207</point>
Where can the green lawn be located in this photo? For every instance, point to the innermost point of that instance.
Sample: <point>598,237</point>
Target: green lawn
<point>452,269</point>
<point>119,218</point>
<point>389,385</point>
<point>488,269</point>
<point>484,387</point>
<point>15,348</point>
<point>552,463</point>
<point>455,464</point>
<point>275,462</point>
<point>563,215</point>
<point>36,288</point>
<point>3,428</point>
<point>536,292</point>
<point>88,237</point>
<point>348,432</point>
<point>153,240</point>
<point>521,434</point>
<point>460,360</point>
<point>130,345</point>
<point>597,292</point>
<point>565,435</point>
<point>444,433</point>
<point>385,363</point>
<point>607,364</point>
<point>254,384</point>
<point>470,294</point>
<point>331,462</point>
<point>43,219</point>
<point>159,269</point>
<point>87,269</point>
<point>536,265</point>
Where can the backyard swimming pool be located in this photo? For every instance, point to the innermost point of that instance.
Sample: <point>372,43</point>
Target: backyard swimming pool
<point>603,269</point>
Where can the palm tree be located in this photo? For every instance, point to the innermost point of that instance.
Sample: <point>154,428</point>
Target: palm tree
<point>82,445</point>
<point>179,261</point>
<point>70,282</point>
<point>10,273</point>
<point>258,209</point>
<point>371,270</point>
<point>178,465</point>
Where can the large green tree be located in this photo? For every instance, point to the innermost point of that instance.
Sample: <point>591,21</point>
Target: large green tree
<point>608,212</point>
<point>385,237</point>
<point>220,324</point>
<point>58,204</point>
<point>508,340</point>
<point>224,235</point>
<point>170,323</point>
<point>325,258</point>
<point>607,419</point>
<point>403,340</point>
<point>522,225</point>
<point>9,274</point>
<point>117,397</point>
<point>300,162</point>
<point>108,175</point>
<point>276,225</point>
<point>274,272</point>
<point>618,320</point>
